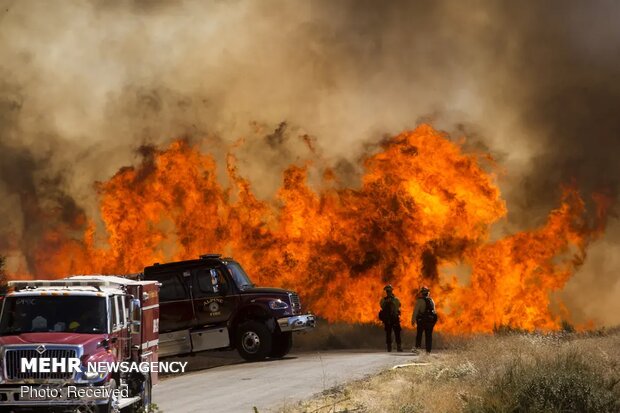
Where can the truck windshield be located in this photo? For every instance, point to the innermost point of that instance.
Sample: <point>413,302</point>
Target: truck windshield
<point>239,276</point>
<point>34,314</point>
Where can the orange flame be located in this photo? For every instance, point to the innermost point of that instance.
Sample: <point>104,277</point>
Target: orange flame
<point>423,206</point>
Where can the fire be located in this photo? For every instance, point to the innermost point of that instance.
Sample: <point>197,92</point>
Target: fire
<point>424,206</point>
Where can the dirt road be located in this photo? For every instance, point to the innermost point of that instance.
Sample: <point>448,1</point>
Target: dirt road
<point>238,387</point>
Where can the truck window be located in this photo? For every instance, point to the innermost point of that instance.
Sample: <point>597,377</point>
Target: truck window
<point>120,310</point>
<point>172,287</point>
<point>208,281</point>
<point>56,314</point>
<point>115,312</point>
<point>125,310</point>
<point>239,276</point>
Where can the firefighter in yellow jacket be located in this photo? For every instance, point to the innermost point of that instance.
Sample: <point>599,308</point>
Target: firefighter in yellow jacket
<point>424,319</point>
<point>390,316</point>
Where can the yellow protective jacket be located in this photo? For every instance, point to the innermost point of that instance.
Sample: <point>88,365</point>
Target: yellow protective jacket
<point>420,308</point>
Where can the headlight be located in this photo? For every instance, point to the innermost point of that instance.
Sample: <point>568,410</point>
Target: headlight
<point>91,375</point>
<point>278,305</point>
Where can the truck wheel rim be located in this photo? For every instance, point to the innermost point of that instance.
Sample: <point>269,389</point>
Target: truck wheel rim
<point>251,342</point>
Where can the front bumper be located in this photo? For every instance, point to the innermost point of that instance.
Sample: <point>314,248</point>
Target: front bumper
<point>297,323</point>
<point>35,395</point>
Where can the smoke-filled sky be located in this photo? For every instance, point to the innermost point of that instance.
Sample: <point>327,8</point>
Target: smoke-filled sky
<point>84,84</point>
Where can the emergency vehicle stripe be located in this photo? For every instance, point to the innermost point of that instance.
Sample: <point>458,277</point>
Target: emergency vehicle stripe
<point>150,343</point>
<point>148,307</point>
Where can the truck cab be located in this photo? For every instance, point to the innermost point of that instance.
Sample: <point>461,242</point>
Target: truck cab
<point>91,318</point>
<point>211,303</point>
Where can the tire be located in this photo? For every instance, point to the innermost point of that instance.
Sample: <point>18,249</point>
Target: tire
<point>254,341</point>
<point>146,397</point>
<point>282,344</point>
<point>146,394</point>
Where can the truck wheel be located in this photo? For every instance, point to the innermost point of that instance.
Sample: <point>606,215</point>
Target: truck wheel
<point>144,405</point>
<point>282,344</point>
<point>147,394</point>
<point>254,340</point>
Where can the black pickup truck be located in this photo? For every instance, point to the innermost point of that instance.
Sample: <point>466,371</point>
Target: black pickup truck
<point>211,303</point>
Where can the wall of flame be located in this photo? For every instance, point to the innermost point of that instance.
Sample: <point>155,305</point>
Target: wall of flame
<point>423,206</point>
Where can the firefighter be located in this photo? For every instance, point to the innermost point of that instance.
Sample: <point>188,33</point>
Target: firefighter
<point>424,319</point>
<point>390,316</point>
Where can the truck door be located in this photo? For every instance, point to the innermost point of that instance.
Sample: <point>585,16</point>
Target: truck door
<point>175,305</point>
<point>213,297</point>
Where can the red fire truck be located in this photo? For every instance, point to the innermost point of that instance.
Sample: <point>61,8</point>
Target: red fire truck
<point>96,319</point>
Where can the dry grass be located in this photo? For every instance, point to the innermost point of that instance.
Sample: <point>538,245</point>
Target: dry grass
<point>333,336</point>
<point>512,372</point>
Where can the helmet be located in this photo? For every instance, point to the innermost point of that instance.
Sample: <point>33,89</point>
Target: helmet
<point>424,290</point>
<point>388,287</point>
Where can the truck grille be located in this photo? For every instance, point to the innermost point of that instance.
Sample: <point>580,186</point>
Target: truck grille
<point>13,356</point>
<point>295,303</point>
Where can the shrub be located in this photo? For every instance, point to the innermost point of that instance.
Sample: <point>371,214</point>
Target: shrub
<point>563,383</point>
<point>505,330</point>
<point>567,327</point>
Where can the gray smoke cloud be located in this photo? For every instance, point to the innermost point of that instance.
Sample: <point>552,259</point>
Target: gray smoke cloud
<point>84,84</point>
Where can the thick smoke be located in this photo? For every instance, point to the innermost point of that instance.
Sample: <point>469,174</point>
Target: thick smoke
<point>84,84</point>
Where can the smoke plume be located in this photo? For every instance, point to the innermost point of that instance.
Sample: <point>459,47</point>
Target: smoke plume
<point>84,85</point>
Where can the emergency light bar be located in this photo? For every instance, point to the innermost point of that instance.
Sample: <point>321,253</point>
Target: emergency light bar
<point>22,285</point>
<point>209,256</point>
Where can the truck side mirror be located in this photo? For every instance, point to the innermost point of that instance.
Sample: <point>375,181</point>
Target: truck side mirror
<point>135,311</point>
<point>105,343</point>
<point>218,283</point>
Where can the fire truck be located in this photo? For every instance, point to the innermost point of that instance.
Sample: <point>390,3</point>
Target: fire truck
<point>92,319</point>
<point>211,303</point>
<point>208,303</point>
